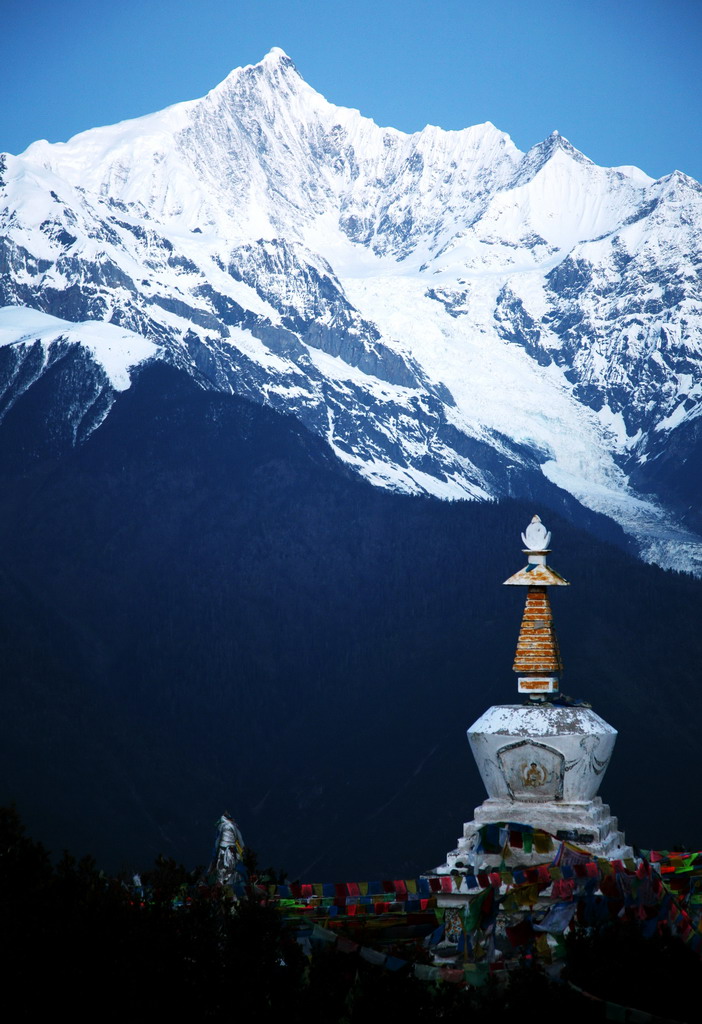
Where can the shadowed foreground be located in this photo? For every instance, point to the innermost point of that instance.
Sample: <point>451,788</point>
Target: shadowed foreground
<point>86,943</point>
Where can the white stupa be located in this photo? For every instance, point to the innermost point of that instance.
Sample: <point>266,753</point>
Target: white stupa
<point>542,762</point>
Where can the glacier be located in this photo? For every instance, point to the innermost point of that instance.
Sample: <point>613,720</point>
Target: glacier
<point>453,316</point>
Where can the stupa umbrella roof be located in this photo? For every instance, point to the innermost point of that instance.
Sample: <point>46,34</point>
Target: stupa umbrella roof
<point>536,575</point>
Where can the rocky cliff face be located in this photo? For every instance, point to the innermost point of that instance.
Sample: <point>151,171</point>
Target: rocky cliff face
<point>454,317</point>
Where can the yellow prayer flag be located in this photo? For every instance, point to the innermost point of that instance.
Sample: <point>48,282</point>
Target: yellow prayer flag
<point>526,895</point>
<point>510,903</point>
<point>542,842</point>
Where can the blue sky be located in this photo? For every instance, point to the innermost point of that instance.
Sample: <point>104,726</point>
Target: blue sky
<point>620,79</point>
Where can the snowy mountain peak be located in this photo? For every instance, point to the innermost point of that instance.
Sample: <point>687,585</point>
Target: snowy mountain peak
<point>683,182</point>
<point>277,54</point>
<point>454,316</point>
<point>553,146</point>
<point>274,68</point>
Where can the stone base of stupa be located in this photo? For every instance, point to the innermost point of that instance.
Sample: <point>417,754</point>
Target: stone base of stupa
<point>588,825</point>
<point>542,762</point>
<point>542,765</point>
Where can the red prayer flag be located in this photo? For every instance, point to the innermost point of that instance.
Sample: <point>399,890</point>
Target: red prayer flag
<point>452,974</point>
<point>520,934</point>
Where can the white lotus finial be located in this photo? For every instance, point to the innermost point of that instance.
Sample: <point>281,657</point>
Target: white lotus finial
<point>536,537</point>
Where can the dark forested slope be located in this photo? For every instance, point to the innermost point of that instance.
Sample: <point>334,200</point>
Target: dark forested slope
<point>201,609</point>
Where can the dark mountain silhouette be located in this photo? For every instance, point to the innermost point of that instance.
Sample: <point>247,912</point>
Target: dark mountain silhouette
<point>201,608</point>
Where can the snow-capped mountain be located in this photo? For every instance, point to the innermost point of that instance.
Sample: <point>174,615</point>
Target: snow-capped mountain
<point>453,316</point>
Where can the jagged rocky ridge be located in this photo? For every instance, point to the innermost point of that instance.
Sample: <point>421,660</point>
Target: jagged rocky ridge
<point>453,316</point>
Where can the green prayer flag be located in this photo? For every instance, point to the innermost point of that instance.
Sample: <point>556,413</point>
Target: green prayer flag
<point>477,974</point>
<point>471,913</point>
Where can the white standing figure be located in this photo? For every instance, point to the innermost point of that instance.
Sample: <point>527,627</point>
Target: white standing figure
<point>229,850</point>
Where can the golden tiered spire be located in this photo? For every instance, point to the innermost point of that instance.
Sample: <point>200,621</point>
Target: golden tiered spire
<point>538,659</point>
<point>537,646</point>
